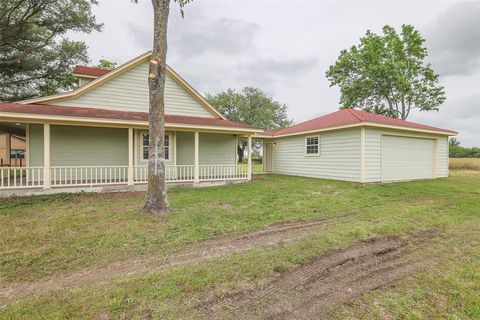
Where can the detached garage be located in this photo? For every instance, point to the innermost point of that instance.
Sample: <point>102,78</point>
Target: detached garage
<point>358,146</point>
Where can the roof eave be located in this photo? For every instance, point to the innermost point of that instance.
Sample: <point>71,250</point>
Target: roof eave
<point>80,75</point>
<point>365,124</point>
<point>72,120</point>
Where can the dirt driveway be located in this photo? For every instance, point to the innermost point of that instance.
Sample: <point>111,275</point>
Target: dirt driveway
<point>311,290</point>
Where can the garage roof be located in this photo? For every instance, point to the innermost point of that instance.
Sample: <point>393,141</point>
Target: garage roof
<point>352,117</point>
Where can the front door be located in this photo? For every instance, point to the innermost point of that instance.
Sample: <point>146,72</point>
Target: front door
<point>268,156</point>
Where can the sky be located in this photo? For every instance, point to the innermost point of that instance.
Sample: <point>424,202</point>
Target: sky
<point>285,47</point>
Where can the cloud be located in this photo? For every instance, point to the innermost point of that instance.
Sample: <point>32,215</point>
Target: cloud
<point>215,52</point>
<point>265,71</point>
<point>140,35</point>
<point>199,34</point>
<point>461,114</point>
<point>453,40</point>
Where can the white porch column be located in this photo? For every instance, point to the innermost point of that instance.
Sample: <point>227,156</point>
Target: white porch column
<point>8,148</point>
<point>130,157</point>
<point>362,154</point>
<point>196,171</point>
<point>46,156</point>
<point>249,158</point>
<point>27,146</point>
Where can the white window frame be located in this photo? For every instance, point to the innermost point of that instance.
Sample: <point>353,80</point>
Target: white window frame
<point>140,144</point>
<point>318,147</point>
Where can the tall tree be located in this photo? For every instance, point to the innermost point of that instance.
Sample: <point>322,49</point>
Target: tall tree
<point>106,64</point>
<point>157,201</point>
<point>36,57</point>
<point>387,74</point>
<point>251,106</point>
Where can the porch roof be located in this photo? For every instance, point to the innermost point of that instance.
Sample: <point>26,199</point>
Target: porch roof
<point>74,113</point>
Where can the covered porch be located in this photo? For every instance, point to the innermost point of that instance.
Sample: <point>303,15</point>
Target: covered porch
<point>83,153</point>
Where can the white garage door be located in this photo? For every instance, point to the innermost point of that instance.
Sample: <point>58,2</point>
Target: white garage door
<point>407,158</point>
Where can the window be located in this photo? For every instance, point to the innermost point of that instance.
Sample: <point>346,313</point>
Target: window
<point>312,146</point>
<point>145,146</point>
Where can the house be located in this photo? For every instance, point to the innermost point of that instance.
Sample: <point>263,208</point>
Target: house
<point>358,146</point>
<point>97,136</point>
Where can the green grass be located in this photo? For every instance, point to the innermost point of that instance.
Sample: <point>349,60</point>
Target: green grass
<point>50,235</point>
<point>464,164</point>
<point>257,167</point>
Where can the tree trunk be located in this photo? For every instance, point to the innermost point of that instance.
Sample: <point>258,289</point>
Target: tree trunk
<point>404,113</point>
<point>157,202</point>
<point>240,152</point>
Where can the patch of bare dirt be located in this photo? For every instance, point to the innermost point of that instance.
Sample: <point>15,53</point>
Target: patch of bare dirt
<point>311,290</point>
<point>271,235</point>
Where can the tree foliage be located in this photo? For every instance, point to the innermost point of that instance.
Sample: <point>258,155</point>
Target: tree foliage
<point>36,57</point>
<point>251,106</point>
<point>387,74</point>
<point>106,64</point>
<point>457,151</point>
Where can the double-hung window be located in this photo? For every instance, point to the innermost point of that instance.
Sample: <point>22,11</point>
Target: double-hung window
<point>312,146</point>
<point>145,139</point>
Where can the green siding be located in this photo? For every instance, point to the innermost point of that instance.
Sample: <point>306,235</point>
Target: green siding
<point>373,155</point>
<point>442,165</point>
<point>185,148</point>
<point>80,146</point>
<point>129,92</point>
<point>213,148</point>
<point>35,141</point>
<point>217,148</point>
<point>339,157</point>
<point>91,146</point>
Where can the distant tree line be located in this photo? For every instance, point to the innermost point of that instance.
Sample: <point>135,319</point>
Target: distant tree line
<point>457,151</point>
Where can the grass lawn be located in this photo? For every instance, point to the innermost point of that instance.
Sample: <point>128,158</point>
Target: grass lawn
<point>257,167</point>
<point>51,236</point>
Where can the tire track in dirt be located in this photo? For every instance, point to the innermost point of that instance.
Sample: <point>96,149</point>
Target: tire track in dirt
<point>271,235</point>
<point>312,289</point>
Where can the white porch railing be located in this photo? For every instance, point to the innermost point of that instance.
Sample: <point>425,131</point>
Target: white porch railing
<point>180,173</point>
<point>186,173</point>
<point>222,172</point>
<point>70,176</point>
<point>21,177</point>
<point>88,175</point>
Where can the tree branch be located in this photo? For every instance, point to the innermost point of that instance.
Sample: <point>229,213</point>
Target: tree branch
<point>19,59</point>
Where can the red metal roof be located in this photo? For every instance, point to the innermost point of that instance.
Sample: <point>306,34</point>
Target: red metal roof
<point>90,71</point>
<point>40,109</point>
<point>350,117</point>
